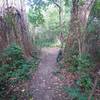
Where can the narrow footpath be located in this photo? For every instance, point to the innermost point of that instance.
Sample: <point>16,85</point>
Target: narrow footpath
<point>45,85</point>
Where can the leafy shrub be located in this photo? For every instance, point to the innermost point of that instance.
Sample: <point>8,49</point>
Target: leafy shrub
<point>76,94</point>
<point>13,67</point>
<point>44,42</point>
<point>81,63</point>
<point>85,82</point>
<point>81,2</point>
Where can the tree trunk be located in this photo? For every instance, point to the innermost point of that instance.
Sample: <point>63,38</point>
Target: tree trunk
<point>79,19</point>
<point>75,42</point>
<point>7,4</point>
<point>59,5</point>
<point>15,32</point>
<point>33,33</point>
<point>83,15</point>
<point>60,14</point>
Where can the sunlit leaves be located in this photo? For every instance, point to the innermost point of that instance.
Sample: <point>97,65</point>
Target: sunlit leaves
<point>35,16</point>
<point>39,3</point>
<point>96,9</point>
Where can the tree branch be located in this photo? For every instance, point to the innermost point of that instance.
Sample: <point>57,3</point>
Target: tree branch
<point>93,89</point>
<point>57,4</point>
<point>92,2</point>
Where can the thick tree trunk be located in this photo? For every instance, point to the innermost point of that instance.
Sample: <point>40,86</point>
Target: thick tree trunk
<point>3,36</point>
<point>79,19</point>
<point>75,42</point>
<point>83,15</point>
<point>15,31</point>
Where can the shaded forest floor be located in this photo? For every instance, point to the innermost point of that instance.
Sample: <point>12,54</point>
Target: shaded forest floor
<point>49,80</point>
<point>45,85</point>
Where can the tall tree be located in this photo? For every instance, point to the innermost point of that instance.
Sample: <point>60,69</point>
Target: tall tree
<point>58,4</point>
<point>79,18</point>
<point>14,29</point>
<point>35,18</point>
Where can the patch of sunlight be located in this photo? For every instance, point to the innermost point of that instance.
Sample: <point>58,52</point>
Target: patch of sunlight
<point>31,98</point>
<point>56,44</point>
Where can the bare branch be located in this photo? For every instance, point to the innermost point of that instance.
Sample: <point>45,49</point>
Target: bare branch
<point>93,89</point>
<point>56,4</point>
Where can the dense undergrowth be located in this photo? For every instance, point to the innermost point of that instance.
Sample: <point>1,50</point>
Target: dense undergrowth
<point>47,43</point>
<point>14,69</point>
<point>82,65</point>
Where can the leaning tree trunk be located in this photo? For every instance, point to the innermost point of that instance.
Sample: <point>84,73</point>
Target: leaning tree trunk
<point>83,15</point>
<point>59,5</point>
<point>3,36</point>
<point>77,32</point>
<point>60,13</point>
<point>79,19</point>
<point>14,31</point>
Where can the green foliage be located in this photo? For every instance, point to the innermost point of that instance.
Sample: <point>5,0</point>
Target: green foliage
<point>35,16</point>
<point>84,62</point>
<point>72,91</point>
<point>68,3</point>
<point>76,93</point>
<point>96,8</point>
<point>10,21</point>
<point>94,18</point>
<point>51,17</point>
<point>91,27</point>
<point>50,42</point>
<point>81,63</point>
<point>85,81</point>
<point>48,32</point>
<point>81,2</point>
<point>40,3</point>
<point>8,18</point>
<point>44,43</point>
<point>13,67</point>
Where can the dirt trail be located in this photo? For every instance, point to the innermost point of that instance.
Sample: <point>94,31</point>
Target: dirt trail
<point>45,85</point>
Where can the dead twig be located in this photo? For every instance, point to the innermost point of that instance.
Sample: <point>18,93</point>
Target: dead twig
<point>93,89</point>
